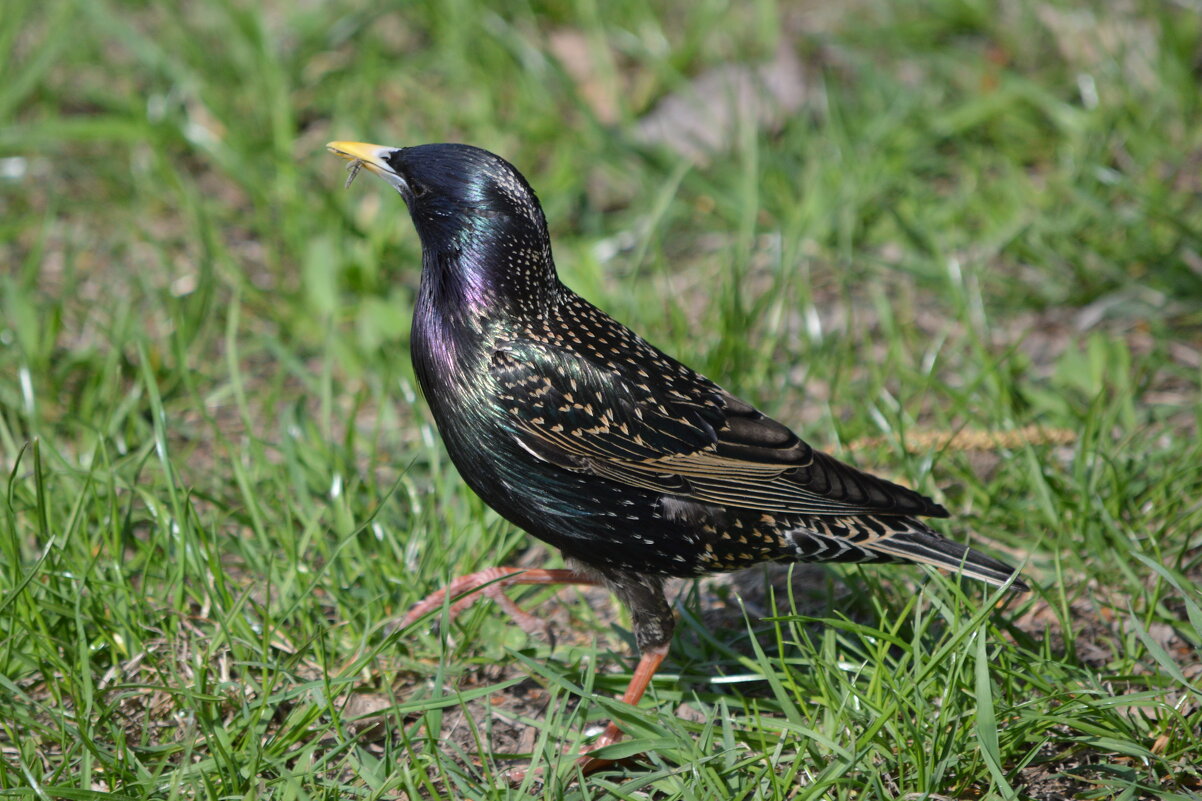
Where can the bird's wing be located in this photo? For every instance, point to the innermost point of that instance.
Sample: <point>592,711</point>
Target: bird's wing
<point>681,436</point>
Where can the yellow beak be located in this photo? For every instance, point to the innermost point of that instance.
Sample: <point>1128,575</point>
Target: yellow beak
<point>373,157</point>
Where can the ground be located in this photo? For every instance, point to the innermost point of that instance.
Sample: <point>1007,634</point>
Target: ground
<point>956,243</point>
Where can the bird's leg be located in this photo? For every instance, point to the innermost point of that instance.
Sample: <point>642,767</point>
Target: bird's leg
<point>493,581</point>
<point>642,595</point>
<point>649,663</point>
<point>653,626</point>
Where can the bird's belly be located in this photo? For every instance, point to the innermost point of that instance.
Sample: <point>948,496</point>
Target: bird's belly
<point>593,519</point>
<point>606,524</point>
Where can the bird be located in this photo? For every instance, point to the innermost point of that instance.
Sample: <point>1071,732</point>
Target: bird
<point>583,434</point>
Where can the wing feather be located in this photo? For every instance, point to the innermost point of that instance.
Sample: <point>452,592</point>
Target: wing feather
<point>687,437</point>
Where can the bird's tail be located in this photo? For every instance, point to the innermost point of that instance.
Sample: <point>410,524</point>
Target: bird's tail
<point>917,543</point>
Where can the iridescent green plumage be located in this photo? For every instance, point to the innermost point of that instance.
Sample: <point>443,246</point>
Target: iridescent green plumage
<point>577,430</point>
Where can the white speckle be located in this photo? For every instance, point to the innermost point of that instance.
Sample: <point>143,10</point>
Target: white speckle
<point>528,449</point>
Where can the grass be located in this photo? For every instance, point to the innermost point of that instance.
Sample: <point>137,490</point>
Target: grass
<point>221,490</point>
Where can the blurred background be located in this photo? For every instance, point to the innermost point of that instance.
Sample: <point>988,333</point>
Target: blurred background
<point>957,242</point>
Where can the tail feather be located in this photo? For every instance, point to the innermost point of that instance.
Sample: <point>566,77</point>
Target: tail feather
<point>931,548</point>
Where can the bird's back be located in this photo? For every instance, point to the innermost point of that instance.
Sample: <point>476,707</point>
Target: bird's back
<point>579,431</point>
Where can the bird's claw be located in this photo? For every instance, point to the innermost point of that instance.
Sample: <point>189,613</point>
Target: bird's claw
<point>585,762</point>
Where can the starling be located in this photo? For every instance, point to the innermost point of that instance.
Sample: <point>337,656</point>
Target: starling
<point>577,430</point>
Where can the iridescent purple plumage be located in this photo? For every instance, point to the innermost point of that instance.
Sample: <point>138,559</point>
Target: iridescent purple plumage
<point>578,431</point>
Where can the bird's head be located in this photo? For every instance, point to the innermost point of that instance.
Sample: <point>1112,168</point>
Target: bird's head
<point>460,197</point>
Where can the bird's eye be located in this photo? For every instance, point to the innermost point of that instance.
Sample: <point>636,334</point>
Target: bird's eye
<point>419,190</point>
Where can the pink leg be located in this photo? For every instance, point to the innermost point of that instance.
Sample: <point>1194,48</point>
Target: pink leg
<point>463,592</point>
<point>649,663</point>
<point>493,581</point>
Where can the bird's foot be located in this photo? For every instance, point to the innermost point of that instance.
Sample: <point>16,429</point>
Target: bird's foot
<point>491,582</point>
<point>649,663</point>
<point>586,763</point>
<point>590,764</point>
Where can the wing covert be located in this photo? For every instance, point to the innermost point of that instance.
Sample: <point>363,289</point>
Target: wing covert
<point>684,436</point>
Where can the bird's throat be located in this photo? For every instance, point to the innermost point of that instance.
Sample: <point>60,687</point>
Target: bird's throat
<point>481,279</point>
